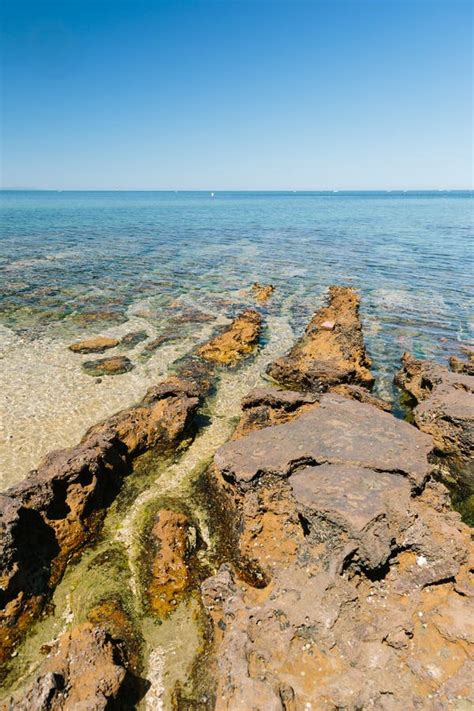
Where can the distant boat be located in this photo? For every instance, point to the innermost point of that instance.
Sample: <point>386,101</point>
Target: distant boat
<point>212,194</point>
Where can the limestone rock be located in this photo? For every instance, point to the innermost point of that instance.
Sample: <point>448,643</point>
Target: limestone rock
<point>235,342</point>
<point>323,356</point>
<point>262,292</point>
<point>98,344</point>
<point>338,431</point>
<point>174,539</point>
<point>114,365</point>
<point>458,365</point>
<point>86,671</point>
<point>445,410</point>
<point>59,507</point>
<point>359,553</point>
<point>265,407</point>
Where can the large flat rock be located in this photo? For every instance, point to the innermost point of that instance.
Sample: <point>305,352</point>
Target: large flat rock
<point>339,431</point>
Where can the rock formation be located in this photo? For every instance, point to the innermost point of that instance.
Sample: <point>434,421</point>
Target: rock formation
<point>97,344</point>
<point>58,508</point>
<point>85,671</point>
<point>235,342</point>
<point>331,351</point>
<point>114,365</point>
<point>262,292</point>
<point>444,409</point>
<point>360,590</point>
<point>174,539</point>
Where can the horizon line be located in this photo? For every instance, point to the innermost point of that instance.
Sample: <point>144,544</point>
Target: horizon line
<point>236,190</point>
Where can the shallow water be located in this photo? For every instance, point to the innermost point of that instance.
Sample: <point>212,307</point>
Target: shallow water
<point>75,264</point>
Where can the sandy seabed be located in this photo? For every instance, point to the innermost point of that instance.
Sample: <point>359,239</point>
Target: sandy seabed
<point>47,402</point>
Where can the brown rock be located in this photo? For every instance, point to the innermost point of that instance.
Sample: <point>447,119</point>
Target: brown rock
<point>237,341</point>
<point>445,410</point>
<point>115,365</point>
<point>262,292</point>
<point>174,539</point>
<point>357,569</point>
<point>458,365</point>
<point>356,392</point>
<point>85,672</point>
<point>265,407</point>
<point>331,351</point>
<point>98,344</point>
<point>59,507</point>
<point>339,431</point>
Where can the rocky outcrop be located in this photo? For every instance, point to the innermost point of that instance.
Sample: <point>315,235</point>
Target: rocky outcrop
<point>235,342</point>
<point>59,507</point>
<point>466,365</point>
<point>444,408</point>
<point>85,671</point>
<point>262,292</point>
<point>174,539</point>
<point>97,344</point>
<point>359,566</point>
<point>331,351</point>
<point>114,365</point>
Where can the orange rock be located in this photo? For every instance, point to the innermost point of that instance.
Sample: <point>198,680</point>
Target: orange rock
<point>98,344</point>
<point>237,341</point>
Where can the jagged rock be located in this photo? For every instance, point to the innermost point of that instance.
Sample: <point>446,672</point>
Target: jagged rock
<point>331,351</point>
<point>235,342</point>
<point>114,365</point>
<point>356,603</point>
<point>85,672</point>
<point>458,365</point>
<point>339,431</point>
<point>264,407</point>
<point>262,292</point>
<point>130,340</point>
<point>56,510</point>
<point>445,410</point>
<point>155,343</point>
<point>98,344</point>
<point>174,538</point>
<point>356,392</point>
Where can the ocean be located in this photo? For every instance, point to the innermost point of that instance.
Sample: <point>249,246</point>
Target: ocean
<point>75,264</point>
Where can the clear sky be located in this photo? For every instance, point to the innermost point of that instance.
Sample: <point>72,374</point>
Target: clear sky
<point>217,94</point>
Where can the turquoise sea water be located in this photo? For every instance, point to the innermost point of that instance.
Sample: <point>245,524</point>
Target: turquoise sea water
<point>66,254</point>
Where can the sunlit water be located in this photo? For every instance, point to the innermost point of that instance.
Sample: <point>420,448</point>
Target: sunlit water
<point>75,264</point>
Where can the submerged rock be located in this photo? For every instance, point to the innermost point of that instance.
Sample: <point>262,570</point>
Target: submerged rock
<point>175,539</point>
<point>59,507</point>
<point>355,604</point>
<point>115,365</point>
<point>235,342</point>
<point>262,292</point>
<point>331,351</point>
<point>97,344</point>
<point>85,671</point>
<point>130,340</point>
<point>444,409</point>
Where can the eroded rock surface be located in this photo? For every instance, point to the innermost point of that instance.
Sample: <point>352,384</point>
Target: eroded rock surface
<point>56,510</point>
<point>130,340</point>
<point>262,292</point>
<point>445,410</point>
<point>236,341</point>
<point>174,539</point>
<point>85,671</point>
<point>460,365</point>
<point>360,599</point>
<point>97,344</point>
<point>331,351</point>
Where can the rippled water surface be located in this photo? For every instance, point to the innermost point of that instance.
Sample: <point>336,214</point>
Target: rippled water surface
<point>75,264</point>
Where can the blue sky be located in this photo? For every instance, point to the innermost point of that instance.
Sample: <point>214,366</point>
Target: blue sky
<point>256,94</point>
